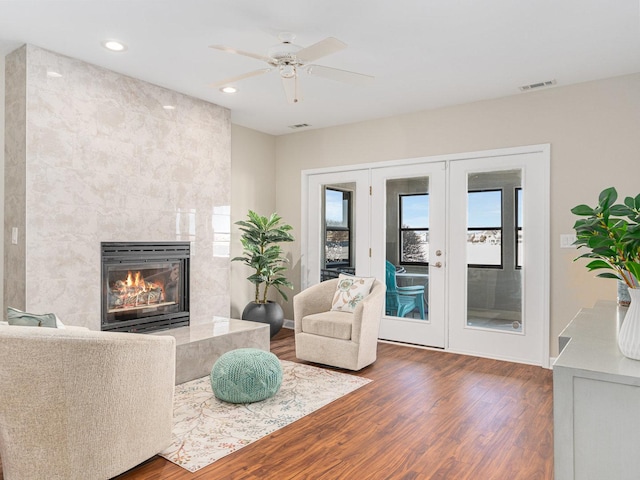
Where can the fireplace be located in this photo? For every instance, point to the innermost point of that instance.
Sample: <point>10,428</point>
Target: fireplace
<point>145,286</point>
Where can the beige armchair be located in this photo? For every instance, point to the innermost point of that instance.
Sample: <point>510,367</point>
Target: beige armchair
<point>80,404</point>
<point>340,339</point>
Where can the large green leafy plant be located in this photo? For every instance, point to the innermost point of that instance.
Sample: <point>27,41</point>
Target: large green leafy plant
<point>260,241</point>
<point>611,233</point>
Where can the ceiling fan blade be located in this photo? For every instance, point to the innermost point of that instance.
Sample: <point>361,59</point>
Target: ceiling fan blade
<point>257,56</point>
<point>241,77</point>
<point>292,89</point>
<point>321,49</point>
<point>340,75</point>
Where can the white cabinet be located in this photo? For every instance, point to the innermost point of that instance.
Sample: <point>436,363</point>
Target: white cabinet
<point>596,396</point>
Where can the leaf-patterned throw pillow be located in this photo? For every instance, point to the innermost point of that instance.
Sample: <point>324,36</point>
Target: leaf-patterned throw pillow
<point>350,292</point>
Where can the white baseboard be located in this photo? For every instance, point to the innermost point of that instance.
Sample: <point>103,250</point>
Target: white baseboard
<point>288,324</point>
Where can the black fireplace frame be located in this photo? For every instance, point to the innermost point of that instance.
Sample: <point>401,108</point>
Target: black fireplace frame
<point>136,254</point>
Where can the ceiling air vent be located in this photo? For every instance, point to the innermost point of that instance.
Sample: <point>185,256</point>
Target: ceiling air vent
<point>299,125</point>
<point>533,86</point>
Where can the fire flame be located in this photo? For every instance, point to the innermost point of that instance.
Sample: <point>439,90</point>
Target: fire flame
<point>138,282</point>
<point>135,291</point>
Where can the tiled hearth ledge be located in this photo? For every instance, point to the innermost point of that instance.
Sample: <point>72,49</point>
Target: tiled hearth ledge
<point>199,346</point>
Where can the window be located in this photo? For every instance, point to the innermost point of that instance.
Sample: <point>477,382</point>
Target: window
<point>519,251</point>
<point>484,229</point>
<point>337,228</point>
<point>414,229</point>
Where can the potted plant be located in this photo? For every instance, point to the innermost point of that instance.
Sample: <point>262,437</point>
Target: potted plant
<point>611,233</point>
<point>261,240</point>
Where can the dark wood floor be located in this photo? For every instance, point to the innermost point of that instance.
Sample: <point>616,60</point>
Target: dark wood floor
<point>426,415</point>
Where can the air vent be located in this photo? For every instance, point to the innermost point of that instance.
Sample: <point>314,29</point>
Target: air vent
<point>534,86</point>
<point>299,125</point>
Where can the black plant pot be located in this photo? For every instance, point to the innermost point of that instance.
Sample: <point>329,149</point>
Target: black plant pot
<point>270,313</point>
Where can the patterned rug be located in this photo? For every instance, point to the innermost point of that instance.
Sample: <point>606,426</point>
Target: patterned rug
<point>206,429</point>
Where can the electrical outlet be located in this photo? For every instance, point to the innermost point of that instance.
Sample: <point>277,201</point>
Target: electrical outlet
<point>14,235</point>
<point>567,239</point>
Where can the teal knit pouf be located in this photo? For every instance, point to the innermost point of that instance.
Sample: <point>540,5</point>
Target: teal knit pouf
<point>246,375</point>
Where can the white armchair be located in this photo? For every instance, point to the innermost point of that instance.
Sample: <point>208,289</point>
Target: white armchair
<point>80,404</point>
<point>340,339</point>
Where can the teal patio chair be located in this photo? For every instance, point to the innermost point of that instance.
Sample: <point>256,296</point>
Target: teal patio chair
<point>402,300</point>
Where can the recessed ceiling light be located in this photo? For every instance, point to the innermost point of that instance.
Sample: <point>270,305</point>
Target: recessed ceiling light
<point>114,45</point>
<point>229,89</point>
<point>53,74</point>
<point>169,107</point>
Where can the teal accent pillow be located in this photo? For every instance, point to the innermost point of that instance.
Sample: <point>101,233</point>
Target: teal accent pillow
<point>24,319</point>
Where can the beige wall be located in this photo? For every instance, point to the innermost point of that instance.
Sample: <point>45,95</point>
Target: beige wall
<point>15,201</point>
<point>2,182</point>
<point>253,174</point>
<point>593,132</point>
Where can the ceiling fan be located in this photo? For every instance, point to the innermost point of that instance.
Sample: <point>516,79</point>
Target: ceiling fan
<point>289,59</point>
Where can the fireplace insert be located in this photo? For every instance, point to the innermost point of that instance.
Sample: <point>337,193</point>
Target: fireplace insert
<point>145,286</point>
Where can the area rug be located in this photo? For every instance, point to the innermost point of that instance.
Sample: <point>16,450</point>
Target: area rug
<point>206,429</point>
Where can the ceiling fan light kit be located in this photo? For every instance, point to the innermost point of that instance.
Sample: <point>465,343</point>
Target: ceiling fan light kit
<point>289,58</point>
<point>288,71</point>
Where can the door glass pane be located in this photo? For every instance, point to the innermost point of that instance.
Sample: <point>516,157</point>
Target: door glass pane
<point>407,248</point>
<point>338,235</point>
<point>414,228</point>
<point>494,276</point>
<point>484,228</point>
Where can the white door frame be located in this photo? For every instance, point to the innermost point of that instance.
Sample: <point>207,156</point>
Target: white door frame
<point>544,234</point>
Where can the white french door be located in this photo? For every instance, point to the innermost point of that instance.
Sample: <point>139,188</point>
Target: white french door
<point>498,276</point>
<point>408,239</point>
<point>461,241</point>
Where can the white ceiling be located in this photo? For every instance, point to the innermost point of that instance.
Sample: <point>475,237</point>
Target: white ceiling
<point>424,54</point>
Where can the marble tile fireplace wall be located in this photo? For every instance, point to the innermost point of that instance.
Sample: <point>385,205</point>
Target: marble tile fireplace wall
<point>93,156</point>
